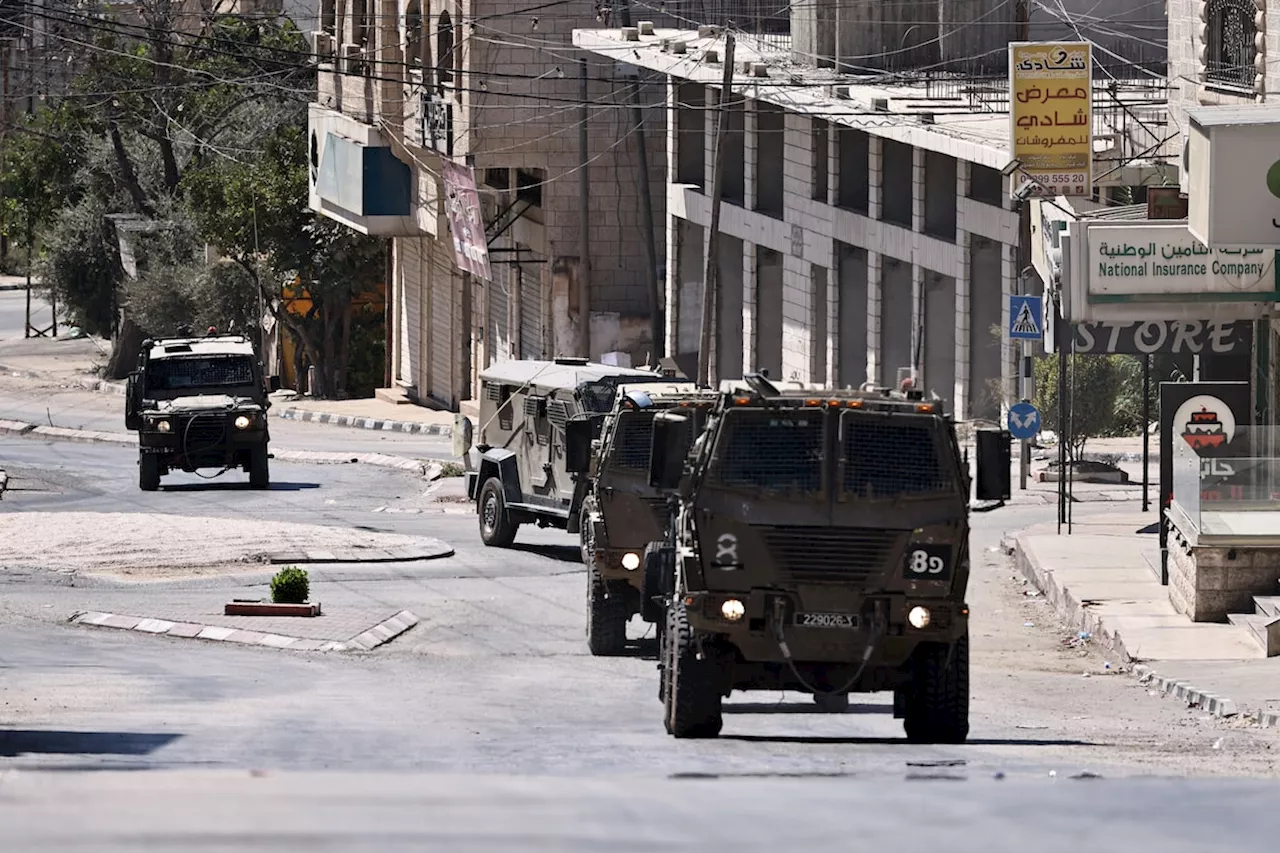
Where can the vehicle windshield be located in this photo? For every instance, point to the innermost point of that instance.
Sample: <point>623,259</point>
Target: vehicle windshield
<point>893,457</point>
<point>771,451</point>
<point>219,371</point>
<point>632,442</point>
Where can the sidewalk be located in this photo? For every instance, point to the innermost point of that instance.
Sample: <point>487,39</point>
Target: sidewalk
<point>1104,580</point>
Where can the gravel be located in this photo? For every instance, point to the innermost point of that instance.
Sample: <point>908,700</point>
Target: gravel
<point>146,546</point>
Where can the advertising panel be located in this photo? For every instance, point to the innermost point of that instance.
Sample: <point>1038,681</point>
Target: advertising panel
<point>466,222</point>
<point>1051,117</point>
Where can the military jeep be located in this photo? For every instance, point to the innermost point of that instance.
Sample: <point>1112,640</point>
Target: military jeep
<point>199,403</point>
<point>623,514</point>
<point>820,545</point>
<point>529,410</point>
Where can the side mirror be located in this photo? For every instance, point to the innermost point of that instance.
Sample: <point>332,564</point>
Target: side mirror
<point>578,434</point>
<point>273,384</point>
<point>669,449</point>
<point>995,458</point>
<point>132,420</point>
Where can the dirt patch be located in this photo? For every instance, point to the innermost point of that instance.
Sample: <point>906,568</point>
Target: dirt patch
<point>154,547</point>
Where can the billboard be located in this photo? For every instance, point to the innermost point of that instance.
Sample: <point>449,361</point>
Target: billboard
<point>466,222</point>
<point>1051,117</point>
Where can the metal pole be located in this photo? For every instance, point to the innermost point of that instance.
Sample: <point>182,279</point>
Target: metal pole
<point>27,331</point>
<point>584,219</point>
<point>709,280</point>
<point>1146,433</point>
<point>1062,422</point>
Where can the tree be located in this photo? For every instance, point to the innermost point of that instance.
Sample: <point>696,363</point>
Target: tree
<point>1094,387</point>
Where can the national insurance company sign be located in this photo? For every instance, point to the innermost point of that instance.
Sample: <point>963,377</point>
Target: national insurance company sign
<point>1125,263</point>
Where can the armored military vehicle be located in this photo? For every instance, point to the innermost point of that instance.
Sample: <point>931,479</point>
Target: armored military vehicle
<point>622,513</point>
<point>528,411</point>
<point>820,546</point>
<point>199,403</point>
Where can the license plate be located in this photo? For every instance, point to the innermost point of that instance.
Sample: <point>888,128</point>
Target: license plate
<point>826,620</point>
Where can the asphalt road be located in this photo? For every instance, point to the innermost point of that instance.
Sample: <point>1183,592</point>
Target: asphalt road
<point>511,733</point>
<point>13,312</point>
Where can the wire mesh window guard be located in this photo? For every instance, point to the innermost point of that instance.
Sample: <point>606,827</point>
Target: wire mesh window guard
<point>1230,47</point>
<point>172,374</point>
<point>771,451</point>
<point>886,459</point>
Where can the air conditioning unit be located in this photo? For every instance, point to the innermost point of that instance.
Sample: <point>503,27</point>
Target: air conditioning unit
<point>321,45</point>
<point>350,58</point>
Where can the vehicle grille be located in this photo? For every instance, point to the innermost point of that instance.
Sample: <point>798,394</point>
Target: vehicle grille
<point>202,433</point>
<point>846,555</point>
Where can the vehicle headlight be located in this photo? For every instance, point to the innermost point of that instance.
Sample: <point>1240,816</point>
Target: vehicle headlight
<point>733,610</point>
<point>631,561</point>
<point>243,422</point>
<point>919,617</point>
<point>163,426</point>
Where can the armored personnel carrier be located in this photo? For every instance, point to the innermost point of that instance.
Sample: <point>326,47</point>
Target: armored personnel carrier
<point>820,545</point>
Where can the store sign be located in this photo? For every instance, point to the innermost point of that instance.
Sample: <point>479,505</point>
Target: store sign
<point>1195,337</point>
<point>1051,116</point>
<point>1165,260</point>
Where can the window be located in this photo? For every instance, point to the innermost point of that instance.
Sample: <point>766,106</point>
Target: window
<point>818,139</point>
<point>413,41</point>
<point>328,16</point>
<point>1230,46</point>
<point>772,452</point>
<point>940,196</point>
<point>986,185</point>
<point>896,197</point>
<point>734,187</point>
<point>173,374</point>
<point>691,140</point>
<point>444,48</point>
<point>852,189</point>
<point>771,132</point>
<point>360,22</point>
<point>888,458</point>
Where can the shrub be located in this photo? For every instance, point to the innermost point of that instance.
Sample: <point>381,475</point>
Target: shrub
<point>290,586</point>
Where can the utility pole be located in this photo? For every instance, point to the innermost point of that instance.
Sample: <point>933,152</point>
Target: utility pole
<point>657,314</point>
<point>584,219</point>
<point>709,280</point>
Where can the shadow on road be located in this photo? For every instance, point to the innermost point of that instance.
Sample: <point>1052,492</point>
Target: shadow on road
<point>15,742</point>
<point>563,553</point>
<point>802,708</point>
<point>889,741</point>
<point>236,487</point>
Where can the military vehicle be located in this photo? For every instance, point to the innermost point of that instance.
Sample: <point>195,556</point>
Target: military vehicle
<point>199,403</point>
<point>622,513</point>
<point>528,410</point>
<point>820,545</point>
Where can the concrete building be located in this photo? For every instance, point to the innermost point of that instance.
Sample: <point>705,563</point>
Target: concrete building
<point>866,224</point>
<point>405,84</point>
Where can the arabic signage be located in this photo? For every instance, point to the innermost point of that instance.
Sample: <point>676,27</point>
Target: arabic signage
<point>1209,417</point>
<point>1165,260</point>
<point>466,223</point>
<point>1051,115</point>
<point>1174,337</point>
<point>1233,176</point>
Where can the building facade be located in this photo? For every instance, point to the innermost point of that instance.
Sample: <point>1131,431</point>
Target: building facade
<point>405,84</point>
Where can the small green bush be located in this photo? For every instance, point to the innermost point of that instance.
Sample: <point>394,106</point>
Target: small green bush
<point>290,586</point>
<point>452,469</point>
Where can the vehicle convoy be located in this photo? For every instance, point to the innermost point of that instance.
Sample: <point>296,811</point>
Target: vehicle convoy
<point>821,545</point>
<point>527,411</point>
<point>199,403</point>
<point>622,514</point>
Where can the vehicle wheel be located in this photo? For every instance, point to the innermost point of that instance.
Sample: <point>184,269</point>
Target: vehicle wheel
<point>938,697</point>
<point>652,587</point>
<point>496,527</point>
<point>259,469</point>
<point>663,665</point>
<point>607,613</point>
<point>692,696</point>
<point>586,532</point>
<point>832,703</point>
<point>148,472</point>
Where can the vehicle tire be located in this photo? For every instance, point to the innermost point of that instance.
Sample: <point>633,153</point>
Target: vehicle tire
<point>496,527</point>
<point>586,531</point>
<point>259,469</point>
<point>938,697</point>
<point>608,611</point>
<point>832,703</point>
<point>693,700</point>
<point>148,472</point>
<point>652,586</point>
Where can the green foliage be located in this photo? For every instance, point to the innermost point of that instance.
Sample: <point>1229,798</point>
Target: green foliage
<point>221,295</point>
<point>80,265</point>
<point>1100,391</point>
<point>290,586</point>
<point>452,469</point>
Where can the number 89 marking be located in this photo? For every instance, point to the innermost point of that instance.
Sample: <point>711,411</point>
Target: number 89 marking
<point>924,564</point>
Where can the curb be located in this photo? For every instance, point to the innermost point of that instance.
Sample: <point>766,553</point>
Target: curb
<point>422,468</point>
<point>1079,617</point>
<point>379,555</point>
<point>4,482</point>
<point>383,632</point>
<point>6,287</point>
<point>412,427</point>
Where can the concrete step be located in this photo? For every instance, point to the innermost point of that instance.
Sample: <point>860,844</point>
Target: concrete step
<point>1264,629</point>
<point>1268,605</point>
<point>396,396</point>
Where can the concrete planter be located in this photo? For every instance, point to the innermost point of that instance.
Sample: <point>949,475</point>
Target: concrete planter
<point>267,608</point>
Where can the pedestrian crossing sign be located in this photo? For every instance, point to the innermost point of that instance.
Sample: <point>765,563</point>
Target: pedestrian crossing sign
<point>1025,318</point>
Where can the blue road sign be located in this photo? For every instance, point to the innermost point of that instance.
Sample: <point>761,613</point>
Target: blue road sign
<point>1026,318</point>
<point>1024,421</point>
